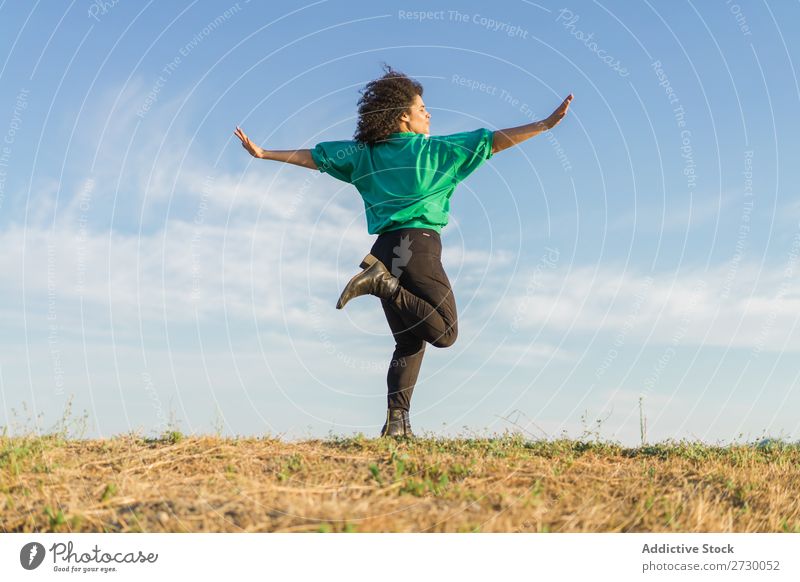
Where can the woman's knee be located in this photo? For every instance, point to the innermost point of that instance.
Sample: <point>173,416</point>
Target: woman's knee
<point>447,339</point>
<point>408,346</point>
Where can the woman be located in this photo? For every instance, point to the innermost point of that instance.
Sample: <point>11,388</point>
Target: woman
<point>406,178</point>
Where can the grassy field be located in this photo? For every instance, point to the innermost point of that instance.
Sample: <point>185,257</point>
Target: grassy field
<point>504,484</point>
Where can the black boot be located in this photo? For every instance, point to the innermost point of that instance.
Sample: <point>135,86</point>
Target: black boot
<point>375,279</point>
<point>397,424</point>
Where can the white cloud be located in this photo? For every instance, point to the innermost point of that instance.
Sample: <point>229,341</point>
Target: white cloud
<point>534,354</point>
<point>683,213</point>
<point>759,312</point>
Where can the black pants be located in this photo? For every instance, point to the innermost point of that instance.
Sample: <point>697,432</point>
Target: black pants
<point>424,309</point>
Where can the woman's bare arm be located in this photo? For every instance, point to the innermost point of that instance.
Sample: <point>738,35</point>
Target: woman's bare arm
<point>297,157</point>
<point>505,138</point>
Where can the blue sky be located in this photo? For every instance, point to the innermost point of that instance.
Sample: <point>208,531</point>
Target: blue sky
<point>646,249</point>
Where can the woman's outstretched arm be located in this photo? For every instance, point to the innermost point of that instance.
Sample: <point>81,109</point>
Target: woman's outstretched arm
<point>505,138</point>
<point>297,157</point>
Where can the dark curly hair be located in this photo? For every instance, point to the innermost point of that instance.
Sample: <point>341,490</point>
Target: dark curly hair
<point>382,103</point>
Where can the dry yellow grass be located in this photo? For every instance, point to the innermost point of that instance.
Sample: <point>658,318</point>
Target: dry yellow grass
<point>504,484</point>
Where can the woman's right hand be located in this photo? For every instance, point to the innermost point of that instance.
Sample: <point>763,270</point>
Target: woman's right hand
<point>254,150</point>
<point>559,113</point>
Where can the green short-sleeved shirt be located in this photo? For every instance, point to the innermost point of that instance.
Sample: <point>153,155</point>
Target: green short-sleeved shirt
<point>407,180</point>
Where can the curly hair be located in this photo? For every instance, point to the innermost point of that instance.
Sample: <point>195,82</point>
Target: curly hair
<point>382,103</point>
